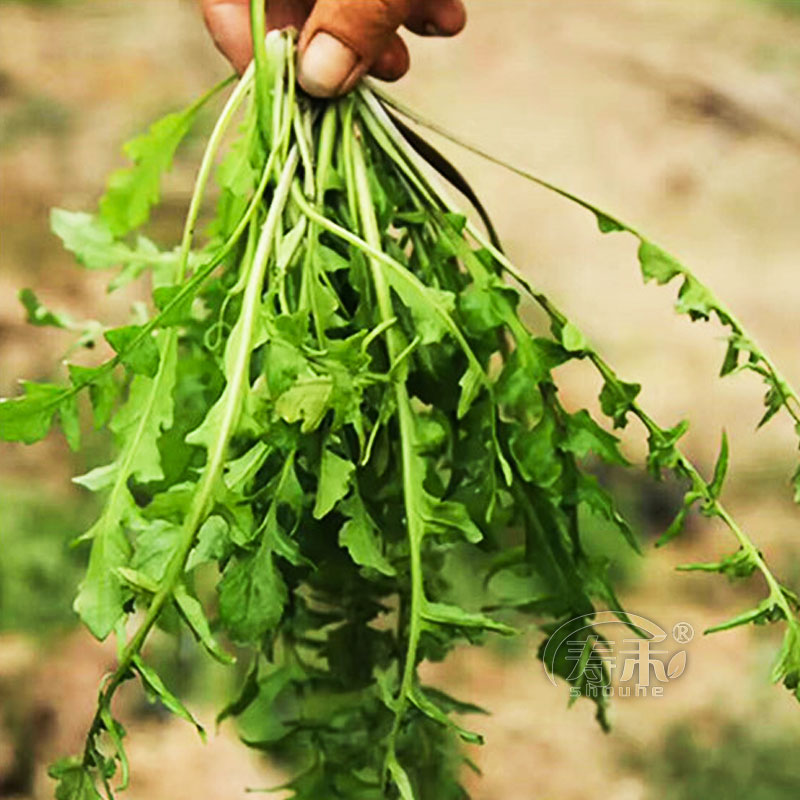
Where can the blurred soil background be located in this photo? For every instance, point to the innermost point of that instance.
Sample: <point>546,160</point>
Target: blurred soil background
<point>681,116</point>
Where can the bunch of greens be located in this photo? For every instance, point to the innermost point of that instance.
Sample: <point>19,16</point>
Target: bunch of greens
<point>330,395</point>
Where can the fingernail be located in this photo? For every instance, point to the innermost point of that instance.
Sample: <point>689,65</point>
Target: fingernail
<point>325,65</point>
<point>432,29</point>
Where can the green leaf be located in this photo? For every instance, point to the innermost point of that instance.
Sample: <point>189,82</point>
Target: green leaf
<point>573,339</point>
<point>695,299</point>
<point>536,452</point>
<point>608,224</point>
<point>103,389</point>
<point>88,238</point>
<point>401,780</point>
<point>213,542</point>
<point>192,612</point>
<point>471,383</point>
<point>584,435</point>
<point>787,667</point>
<point>442,517</point>
<point>662,448</point>
<point>445,614</point>
<point>677,524</point>
<point>741,564</point>
<point>157,690</point>
<point>361,537</point>
<point>334,482</point>
<point>40,316</point>
<point>252,595</point>
<point>596,498</point>
<point>429,307</point>
<point>29,418</point>
<point>656,264</point>
<point>136,350</point>
<point>428,707</point>
<point>617,398</point>
<point>720,469</point>
<point>765,611</point>
<point>132,191</point>
<point>75,781</point>
<point>101,596</point>
<point>156,545</point>
<point>308,400</point>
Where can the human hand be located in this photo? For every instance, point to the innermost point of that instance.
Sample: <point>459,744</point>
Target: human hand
<point>340,40</point>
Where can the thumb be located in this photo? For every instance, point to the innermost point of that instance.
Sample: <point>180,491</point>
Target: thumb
<point>342,39</point>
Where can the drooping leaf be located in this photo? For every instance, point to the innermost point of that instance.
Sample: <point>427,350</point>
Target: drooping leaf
<point>361,537</point>
<point>334,482</point>
<point>158,691</point>
<point>195,618</point>
<point>252,594</point>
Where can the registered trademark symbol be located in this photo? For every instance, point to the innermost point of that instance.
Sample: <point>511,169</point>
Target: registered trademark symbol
<point>682,632</point>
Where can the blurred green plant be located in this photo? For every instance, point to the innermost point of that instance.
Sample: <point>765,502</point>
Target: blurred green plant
<point>39,572</point>
<point>736,761</point>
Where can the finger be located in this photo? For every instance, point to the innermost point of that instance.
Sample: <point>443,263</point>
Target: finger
<point>229,24</point>
<point>228,21</point>
<point>437,17</point>
<point>393,62</point>
<point>342,39</point>
<point>288,13</point>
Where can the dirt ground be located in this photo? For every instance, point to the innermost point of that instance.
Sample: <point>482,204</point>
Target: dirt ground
<point>681,116</point>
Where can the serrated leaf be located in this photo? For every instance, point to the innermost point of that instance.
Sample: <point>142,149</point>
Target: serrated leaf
<point>133,190</point>
<point>30,417</point>
<point>101,595</point>
<point>156,545</point>
<point>308,400</point>
<point>213,542</point>
<point>616,399</point>
<point>584,436</point>
<point>361,537</point>
<point>252,595</point>
<point>334,482</point>
<point>429,307</point>
<point>75,781</point>
<point>137,350</point>
<point>695,299</point>
<point>535,452</point>
<point>88,238</point>
<point>657,264</point>
<point>662,448</point>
